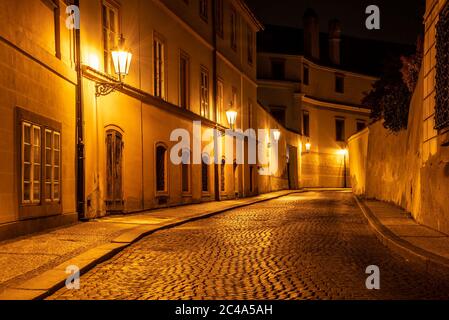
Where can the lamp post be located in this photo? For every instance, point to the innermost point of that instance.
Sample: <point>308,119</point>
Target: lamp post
<point>276,134</point>
<point>121,58</point>
<point>231,115</point>
<point>344,159</point>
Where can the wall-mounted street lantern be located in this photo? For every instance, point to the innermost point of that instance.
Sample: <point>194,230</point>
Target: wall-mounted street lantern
<point>308,146</point>
<point>121,58</point>
<point>276,134</point>
<point>232,117</point>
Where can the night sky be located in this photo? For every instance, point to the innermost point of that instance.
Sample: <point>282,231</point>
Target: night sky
<point>401,20</point>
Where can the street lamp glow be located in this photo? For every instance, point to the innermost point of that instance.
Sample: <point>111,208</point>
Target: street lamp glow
<point>121,58</point>
<point>232,117</point>
<point>308,146</point>
<point>342,152</point>
<point>94,62</point>
<point>276,134</point>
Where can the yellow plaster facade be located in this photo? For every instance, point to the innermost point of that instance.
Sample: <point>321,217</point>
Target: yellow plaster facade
<point>124,131</point>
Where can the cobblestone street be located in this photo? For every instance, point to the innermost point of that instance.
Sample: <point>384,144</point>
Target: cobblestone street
<point>313,245</point>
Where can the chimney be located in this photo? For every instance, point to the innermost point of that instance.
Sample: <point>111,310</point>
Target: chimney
<point>311,34</point>
<point>334,41</point>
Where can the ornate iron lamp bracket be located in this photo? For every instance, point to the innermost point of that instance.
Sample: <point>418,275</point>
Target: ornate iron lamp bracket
<point>105,88</point>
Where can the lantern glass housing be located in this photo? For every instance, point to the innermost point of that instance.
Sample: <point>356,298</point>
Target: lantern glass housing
<point>308,146</point>
<point>121,58</point>
<point>276,134</point>
<point>232,117</point>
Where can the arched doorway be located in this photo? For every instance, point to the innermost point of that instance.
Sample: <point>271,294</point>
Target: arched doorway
<point>114,171</point>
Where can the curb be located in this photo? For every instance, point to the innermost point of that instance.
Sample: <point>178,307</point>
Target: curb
<point>410,252</point>
<point>52,280</point>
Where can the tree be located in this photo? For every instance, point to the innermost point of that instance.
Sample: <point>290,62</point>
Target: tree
<point>390,96</point>
<point>411,66</point>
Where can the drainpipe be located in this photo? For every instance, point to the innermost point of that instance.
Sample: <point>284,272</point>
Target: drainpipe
<point>345,185</point>
<point>214,94</point>
<point>79,166</point>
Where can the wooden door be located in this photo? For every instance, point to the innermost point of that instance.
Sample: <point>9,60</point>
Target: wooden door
<point>114,171</point>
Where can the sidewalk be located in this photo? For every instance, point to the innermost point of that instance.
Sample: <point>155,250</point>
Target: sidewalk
<point>34,266</point>
<point>402,234</point>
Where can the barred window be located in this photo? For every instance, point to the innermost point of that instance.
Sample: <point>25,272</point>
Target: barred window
<point>442,70</point>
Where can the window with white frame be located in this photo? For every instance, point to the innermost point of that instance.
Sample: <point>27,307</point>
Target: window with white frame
<point>31,163</point>
<point>250,114</point>
<point>40,164</point>
<point>233,29</point>
<point>159,67</point>
<point>220,101</point>
<point>219,18</point>
<point>340,129</point>
<point>250,40</point>
<point>339,83</point>
<point>184,83</point>
<point>110,15</point>
<point>306,75</point>
<point>204,9</point>
<point>306,123</point>
<point>234,97</point>
<point>53,25</point>
<point>52,165</point>
<point>204,94</point>
<point>39,174</point>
